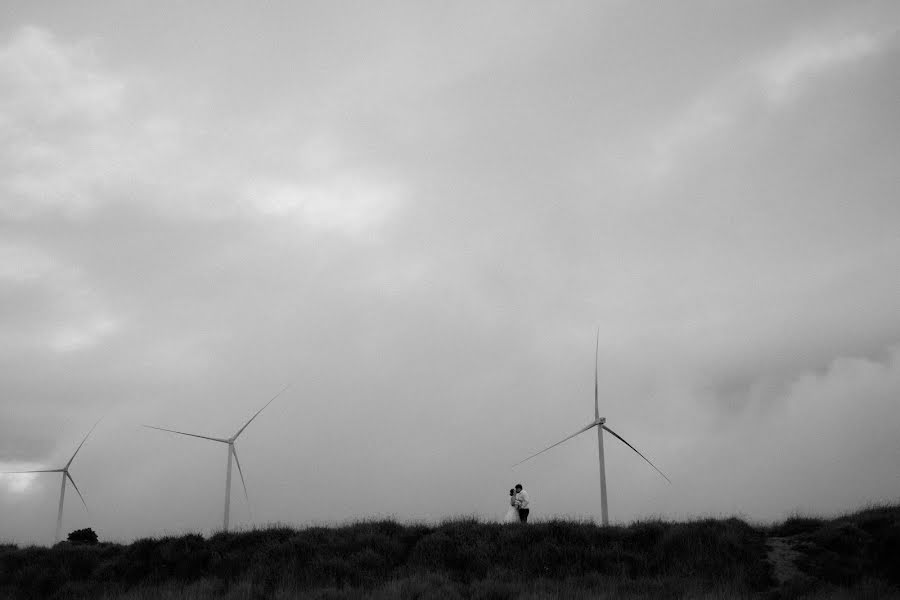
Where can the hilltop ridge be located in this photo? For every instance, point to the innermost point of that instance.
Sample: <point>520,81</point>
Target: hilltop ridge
<point>845,557</point>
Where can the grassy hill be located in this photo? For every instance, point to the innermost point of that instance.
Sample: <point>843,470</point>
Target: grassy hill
<point>854,556</point>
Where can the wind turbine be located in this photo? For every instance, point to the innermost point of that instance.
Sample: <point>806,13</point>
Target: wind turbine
<point>65,474</point>
<point>231,452</point>
<point>600,423</point>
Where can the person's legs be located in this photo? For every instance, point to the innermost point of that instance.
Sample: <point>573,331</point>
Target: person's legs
<point>523,514</point>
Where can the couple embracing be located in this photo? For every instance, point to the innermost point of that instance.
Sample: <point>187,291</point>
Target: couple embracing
<point>519,504</point>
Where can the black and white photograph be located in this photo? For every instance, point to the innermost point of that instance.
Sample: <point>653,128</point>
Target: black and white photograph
<point>498,299</point>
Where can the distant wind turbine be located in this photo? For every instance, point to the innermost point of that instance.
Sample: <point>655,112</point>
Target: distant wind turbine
<point>600,423</point>
<point>231,452</point>
<point>62,489</point>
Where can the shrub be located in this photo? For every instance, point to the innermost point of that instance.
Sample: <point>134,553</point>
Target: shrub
<point>85,536</point>
<point>887,553</point>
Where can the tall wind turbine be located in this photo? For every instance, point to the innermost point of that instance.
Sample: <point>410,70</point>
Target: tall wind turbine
<point>600,423</point>
<point>231,452</point>
<point>65,475</point>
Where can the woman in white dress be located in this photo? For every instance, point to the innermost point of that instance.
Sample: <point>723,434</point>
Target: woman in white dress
<point>512,515</point>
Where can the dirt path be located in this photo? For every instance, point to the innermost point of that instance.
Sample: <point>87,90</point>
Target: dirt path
<point>783,558</point>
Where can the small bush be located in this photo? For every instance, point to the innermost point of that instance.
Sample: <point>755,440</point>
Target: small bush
<point>85,536</point>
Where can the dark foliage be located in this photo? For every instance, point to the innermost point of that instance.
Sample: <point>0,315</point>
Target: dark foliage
<point>83,536</point>
<point>853,548</point>
<point>463,558</point>
<point>797,525</point>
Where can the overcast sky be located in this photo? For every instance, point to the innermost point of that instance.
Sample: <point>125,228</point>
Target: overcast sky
<point>419,214</point>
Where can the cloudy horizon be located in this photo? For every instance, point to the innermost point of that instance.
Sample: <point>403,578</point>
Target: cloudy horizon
<point>420,216</point>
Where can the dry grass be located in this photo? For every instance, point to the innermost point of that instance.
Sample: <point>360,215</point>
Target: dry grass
<point>853,556</point>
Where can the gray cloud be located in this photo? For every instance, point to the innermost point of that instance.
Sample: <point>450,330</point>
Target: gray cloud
<point>419,219</point>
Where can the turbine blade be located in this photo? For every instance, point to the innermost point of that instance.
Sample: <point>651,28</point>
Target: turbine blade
<point>582,430</point>
<point>241,430</point>
<point>596,383</point>
<point>36,471</point>
<point>636,450</point>
<point>241,473</point>
<point>205,437</point>
<point>82,443</point>
<point>79,492</point>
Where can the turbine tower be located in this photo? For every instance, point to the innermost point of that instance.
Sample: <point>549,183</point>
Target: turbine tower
<point>65,475</point>
<point>229,442</point>
<point>600,423</point>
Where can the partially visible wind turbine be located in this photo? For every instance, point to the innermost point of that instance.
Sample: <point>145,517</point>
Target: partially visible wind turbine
<point>600,423</point>
<point>231,452</point>
<point>65,474</point>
